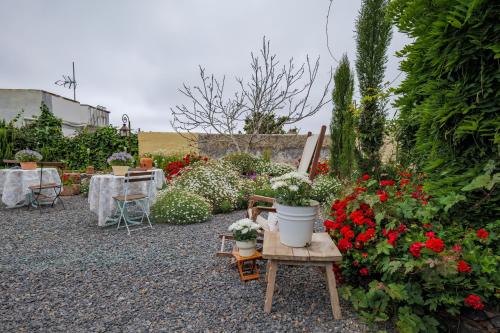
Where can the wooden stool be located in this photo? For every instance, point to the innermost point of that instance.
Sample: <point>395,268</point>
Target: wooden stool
<point>322,252</point>
<point>247,266</point>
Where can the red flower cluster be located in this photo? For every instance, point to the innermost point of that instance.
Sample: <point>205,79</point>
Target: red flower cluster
<point>474,302</point>
<point>435,244</point>
<point>364,271</point>
<point>415,249</point>
<point>383,196</point>
<point>387,183</point>
<point>175,167</point>
<point>322,168</point>
<point>481,233</point>
<point>463,267</point>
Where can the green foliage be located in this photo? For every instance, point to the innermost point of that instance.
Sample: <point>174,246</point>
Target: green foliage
<point>245,163</point>
<point>449,100</point>
<point>264,123</point>
<point>325,187</point>
<point>342,125</point>
<point>94,147</point>
<point>6,141</point>
<point>373,35</point>
<point>162,159</point>
<point>176,206</point>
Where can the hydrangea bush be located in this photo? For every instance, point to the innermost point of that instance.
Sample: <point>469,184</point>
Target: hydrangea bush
<point>292,189</point>
<point>400,260</point>
<point>28,155</point>
<point>325,187</point>
<point>121,159</point>
<point>177,206</point>
<point>214,180</point>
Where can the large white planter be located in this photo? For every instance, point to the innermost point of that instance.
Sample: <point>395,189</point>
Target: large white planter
<point>296,224</point>
<point>120,170</point>
<point>246,248</point>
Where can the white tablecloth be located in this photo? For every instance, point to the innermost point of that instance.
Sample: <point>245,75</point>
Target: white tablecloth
<point>15,183</point>
<point>103,188</point>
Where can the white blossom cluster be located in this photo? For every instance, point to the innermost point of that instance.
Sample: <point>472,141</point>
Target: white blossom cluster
<point>272,169</point>
<point>325,188</point>
<point>292,189</point>
<point>177,206</point>
<point>244,225</point>
<point>290,180</point>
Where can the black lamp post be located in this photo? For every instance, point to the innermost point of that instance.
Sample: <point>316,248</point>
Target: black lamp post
<point>126,130</point>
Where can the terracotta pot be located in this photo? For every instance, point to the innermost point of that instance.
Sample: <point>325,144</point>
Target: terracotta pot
<point>28,165</point>
<point>76,189</point>
<point>67,190</point>
<point>90,170</point>
<point>146,163</point>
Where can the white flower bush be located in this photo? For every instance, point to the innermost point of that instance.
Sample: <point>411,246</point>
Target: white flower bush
<point>177,206</point>
<point>272,169</point>
<point>216,181</point>
<point>325,187</point>
<point>292,189</point>
<point>244,230</point>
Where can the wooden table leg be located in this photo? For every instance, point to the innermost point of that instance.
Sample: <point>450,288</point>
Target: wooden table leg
<point>271,279</point>
<point>332,287</point>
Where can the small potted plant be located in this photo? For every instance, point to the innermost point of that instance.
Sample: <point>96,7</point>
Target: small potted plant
<point>71,184</point>
<point>295,209</point>
<point>245,233</point>
<point>28,158</point>
<point>146,161</point>
<point>120,163</point>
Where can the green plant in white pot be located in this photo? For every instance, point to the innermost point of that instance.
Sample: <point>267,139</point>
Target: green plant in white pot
<point>245,233</point>
<point>295,209</point>
<point>120,163</point>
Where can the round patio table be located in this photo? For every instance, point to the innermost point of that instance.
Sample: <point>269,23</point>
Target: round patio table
<point>103,188</point>
<point>15,183</point>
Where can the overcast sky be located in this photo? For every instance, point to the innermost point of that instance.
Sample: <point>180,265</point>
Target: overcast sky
<point>132,56</point>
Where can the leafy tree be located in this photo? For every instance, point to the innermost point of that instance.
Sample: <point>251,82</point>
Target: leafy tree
<point>373,35</point>
<point>449,101</point>
<point>264,123</point>
<point>342,125</point>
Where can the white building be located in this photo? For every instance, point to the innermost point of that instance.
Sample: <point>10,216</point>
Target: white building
<point>75,116</point>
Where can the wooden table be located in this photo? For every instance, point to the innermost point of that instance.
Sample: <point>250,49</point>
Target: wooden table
<point>322,252</point>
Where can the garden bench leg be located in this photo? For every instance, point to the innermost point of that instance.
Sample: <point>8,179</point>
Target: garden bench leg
<point>332,287</point>
<point>271,280</point>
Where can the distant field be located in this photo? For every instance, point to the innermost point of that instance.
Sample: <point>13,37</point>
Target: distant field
<point>168,142</point>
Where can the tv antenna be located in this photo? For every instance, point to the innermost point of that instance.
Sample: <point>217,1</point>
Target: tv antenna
<point>69,82</point>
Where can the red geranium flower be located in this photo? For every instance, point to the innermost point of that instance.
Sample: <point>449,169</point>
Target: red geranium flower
<point>456,248</point>
<point>344,245</point>
<point>427,225</point>
<point>364,271</point>
<point>387,183</point>
<point>415,249</point>
<point>474,302</point>
<point>463,267</point>
<point>430,234</point>
<point>364,255</point>
<point>481,233</point>
<point>383,196</point>
<point>366,177</point>
<point>435,244</point>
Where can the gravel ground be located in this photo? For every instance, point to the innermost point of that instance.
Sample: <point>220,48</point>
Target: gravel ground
<point>60,272</point>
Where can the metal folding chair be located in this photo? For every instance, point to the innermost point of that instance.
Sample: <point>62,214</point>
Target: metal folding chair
<point>37,197</point>
<point>125,201</point>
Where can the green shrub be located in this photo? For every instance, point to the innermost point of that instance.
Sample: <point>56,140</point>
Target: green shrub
<point>244,163</point>
<point>325,187</point>
<point>161,159</point>
<point>215,180</point>
<point>272,169</point>
<point>176,206</point>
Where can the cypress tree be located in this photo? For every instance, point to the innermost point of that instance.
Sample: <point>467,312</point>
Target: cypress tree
<point>373,35</point>
<point>342,125</point>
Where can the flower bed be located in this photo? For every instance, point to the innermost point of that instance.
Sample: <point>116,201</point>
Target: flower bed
<point>401,260</point>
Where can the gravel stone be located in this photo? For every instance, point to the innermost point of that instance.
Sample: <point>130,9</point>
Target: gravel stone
<point>60,272</point>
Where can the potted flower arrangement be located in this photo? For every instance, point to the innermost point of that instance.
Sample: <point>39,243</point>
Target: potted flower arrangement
<point>295,209</point>
<point>120,163</point>
<point>28,158</point>
<point>245,233</point>
<point>146,161</point>
<point>71,184</point>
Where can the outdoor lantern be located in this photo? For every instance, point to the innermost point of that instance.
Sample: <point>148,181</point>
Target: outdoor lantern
<point>124,130</point>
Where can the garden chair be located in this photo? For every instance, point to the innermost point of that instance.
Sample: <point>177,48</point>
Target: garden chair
<point>142,200</point>
<point>38,195</point>
<point>308,162</point>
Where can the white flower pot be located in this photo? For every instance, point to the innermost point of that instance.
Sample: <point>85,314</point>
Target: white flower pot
<point>246,248</point>
<point>296,223</point>
<point>120,170</point>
